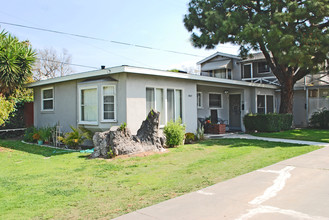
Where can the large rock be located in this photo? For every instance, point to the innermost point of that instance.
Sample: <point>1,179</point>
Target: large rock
<point>121,141</point>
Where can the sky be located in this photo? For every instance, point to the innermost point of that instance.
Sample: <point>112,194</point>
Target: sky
<point>152,23</point>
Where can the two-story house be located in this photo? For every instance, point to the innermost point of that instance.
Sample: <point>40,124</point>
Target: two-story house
<point>310,93</point>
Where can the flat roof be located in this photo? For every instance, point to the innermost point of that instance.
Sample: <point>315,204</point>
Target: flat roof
<point>146,71</point>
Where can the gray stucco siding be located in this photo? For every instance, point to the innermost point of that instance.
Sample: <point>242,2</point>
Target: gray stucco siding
<point>120,104</point>
<point>64,111</point>
<point>67,105</point>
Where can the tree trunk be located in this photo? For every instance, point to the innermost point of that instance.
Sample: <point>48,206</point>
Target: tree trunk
<point>287,95</point>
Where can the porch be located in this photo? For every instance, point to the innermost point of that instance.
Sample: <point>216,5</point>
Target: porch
<point>220,108</point>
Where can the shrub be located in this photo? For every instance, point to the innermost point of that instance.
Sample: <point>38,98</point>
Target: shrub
<point>189,138</point>
<point>199,135</point>
<point>29,133</point>
<point>74,138</point>
<point>46,133</point>
<point>6,107</point>
<point>267,122</point>
<point>174,132</point>
<point>320,119</point>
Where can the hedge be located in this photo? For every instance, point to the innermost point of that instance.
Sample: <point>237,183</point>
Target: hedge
<point>267,122</point>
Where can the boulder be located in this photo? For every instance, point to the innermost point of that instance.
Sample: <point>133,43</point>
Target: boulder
<point>121,142</point>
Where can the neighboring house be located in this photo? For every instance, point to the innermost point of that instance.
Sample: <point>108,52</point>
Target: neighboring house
<point>310,93</point>
<point>107,97</point>
<point>227,88</point>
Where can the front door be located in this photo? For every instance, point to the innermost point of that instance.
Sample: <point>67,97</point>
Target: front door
<point>235,112</point>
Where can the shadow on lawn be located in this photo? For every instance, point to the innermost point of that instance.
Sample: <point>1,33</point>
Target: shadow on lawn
<point>232,143</point>
<point>32,148</point>
<point>306,134</point>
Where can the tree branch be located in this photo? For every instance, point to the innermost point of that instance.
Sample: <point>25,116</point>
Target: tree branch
<point>323,25</point>
<point>300,74</point>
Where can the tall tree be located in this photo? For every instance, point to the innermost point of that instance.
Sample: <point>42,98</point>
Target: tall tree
<point>16,61</point>
<point>292,34</point>
<point>50,64</point>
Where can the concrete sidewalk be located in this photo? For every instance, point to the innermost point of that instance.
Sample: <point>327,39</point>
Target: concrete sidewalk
<point>296,188</point>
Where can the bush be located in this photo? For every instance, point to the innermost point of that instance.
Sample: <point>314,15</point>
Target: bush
<point>75,138</point>
<point>34,134</point>
<point>174,132</point>
<point>189,138</point>
<point>6,107</point>
<point>320,119</point>
<point>29,132</point>
<point>267,122</point>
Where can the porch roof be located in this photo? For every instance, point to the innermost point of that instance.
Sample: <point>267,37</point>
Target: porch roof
<point>145,71</point>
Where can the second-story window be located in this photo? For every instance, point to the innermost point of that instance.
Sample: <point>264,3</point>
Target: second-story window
<point>247,70</point>
<point>221,73</point>
<point>263,67</point>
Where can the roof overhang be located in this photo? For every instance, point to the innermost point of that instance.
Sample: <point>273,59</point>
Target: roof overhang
<point>219,54</point>
<point>150,72</point>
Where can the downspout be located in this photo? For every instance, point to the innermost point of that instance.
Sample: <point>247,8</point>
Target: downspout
<point>306,100</point>
<point>306,105</point>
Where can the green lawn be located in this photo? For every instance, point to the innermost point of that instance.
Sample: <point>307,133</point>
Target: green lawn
<point>299,134</point>
<point>43,183</point>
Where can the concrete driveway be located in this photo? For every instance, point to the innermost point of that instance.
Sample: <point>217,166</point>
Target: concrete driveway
<point>297,188</point>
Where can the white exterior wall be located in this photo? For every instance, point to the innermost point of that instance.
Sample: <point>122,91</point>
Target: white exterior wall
<point>136,99</point>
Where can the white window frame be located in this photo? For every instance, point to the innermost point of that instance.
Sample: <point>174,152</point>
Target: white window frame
<point>42,99</point>
<point>165,102</point>
<point>175,107</point>
<point>79,105</point>
<point>115,104</point>
<point>221,101</point>
<point>200,105</point>
<point>265,102</point>
<point>251,70</point>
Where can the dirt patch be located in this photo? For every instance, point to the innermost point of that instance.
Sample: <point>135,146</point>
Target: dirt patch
<point>2,149</point>
<point>143,154</point>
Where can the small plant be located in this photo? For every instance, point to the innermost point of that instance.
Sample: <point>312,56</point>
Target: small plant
<point>123,126</point>
<point>200,133</point>
<point>189,138</point>
<point>74,138</point>
<point>43,133</point>
<point>174,132</point>
<point>110,153</point>
<point>29,133</point>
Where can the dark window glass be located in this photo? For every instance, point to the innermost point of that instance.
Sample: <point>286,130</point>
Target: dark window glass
<point>263,67</point>
<point>215,100</point>
<point>269,104</point>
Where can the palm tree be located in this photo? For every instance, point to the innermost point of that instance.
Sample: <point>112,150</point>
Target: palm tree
<point>16,61</point>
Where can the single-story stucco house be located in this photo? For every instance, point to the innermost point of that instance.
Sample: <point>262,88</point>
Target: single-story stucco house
<point>103,98</point>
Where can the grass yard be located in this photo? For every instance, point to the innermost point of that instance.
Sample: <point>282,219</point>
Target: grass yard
<point>43,183</point>
<point>299,134</point>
